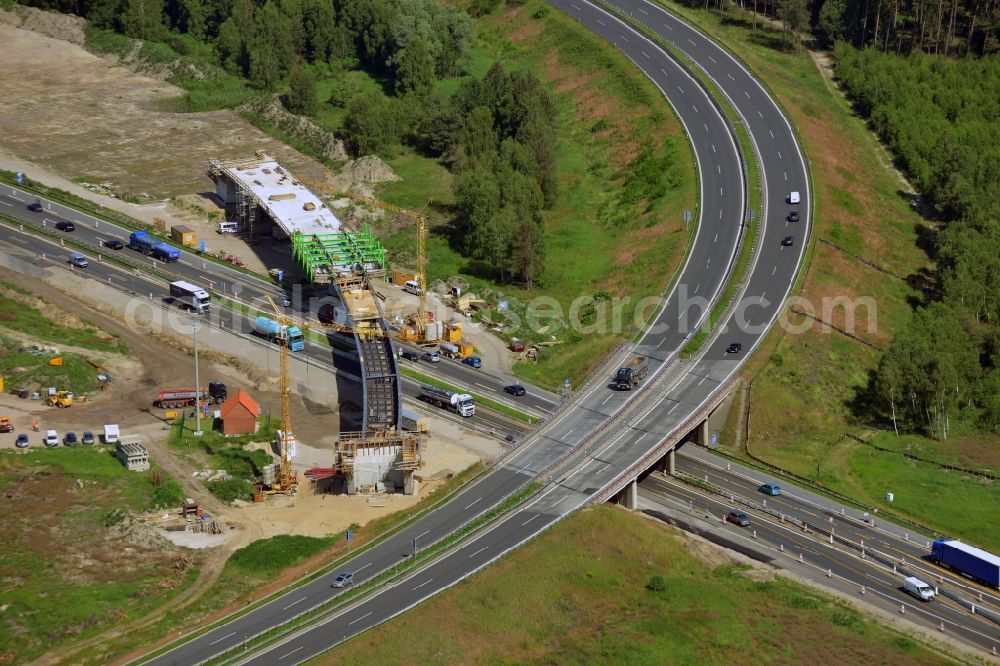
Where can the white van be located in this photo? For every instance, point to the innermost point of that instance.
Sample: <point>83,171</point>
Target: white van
<point>794,198</point>
<point>918,588</point>
<point>51,438</point>
<point>412,287</point>
<point>228,227</point>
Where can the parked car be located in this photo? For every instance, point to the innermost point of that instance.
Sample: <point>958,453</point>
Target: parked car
<point>70,439</point>
<point>114,244</point>
<point>734,348</point>
<point>770,489</point>
<point>793,216</point>
<point>6,425</point>
<point>787,241</point>
<point>51,438</point>
<point>430,357</point>
<point>514,389</point>
<point>738,518</point>
<point>35,207</point>
<point>65,225</point>
<point>88,438</point>
<point>22,441</point>
<point>343,580</point>
<point>409,355</point>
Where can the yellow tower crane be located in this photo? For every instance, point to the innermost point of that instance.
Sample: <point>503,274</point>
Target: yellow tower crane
<point>328,186</point>
<point>287,480</point>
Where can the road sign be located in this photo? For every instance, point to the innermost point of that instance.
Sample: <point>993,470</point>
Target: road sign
<point>752,215</point>
<point>715,438</point>
<point>20,178</point>
<point>348,535</point>
<point>201,245</point>
<point>687,216</point>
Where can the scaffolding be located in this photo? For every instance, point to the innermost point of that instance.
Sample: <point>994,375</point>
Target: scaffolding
<point>324,256</point>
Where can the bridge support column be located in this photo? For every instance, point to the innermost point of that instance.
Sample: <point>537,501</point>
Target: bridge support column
<point>350,488</point>
<point>632,495</point>
<point>703,436</point>
<point>671,462</point>
<point>409,484</point>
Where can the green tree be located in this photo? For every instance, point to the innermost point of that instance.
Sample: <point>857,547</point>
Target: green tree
<point>527,255</point>
<point>414,68</point>
<point>478,138</point>
<point>370,124</point>
<point>302,92</point>
<point>319,28</point>
<point>794,15</point>
<point>143,19</point>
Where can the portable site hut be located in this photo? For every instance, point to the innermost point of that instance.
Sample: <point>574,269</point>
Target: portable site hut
<point>239,414</point>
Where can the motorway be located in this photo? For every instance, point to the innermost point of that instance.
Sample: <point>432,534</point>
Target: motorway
<point>612,429</point>
<point>890,553</point>
<point>136,279</point>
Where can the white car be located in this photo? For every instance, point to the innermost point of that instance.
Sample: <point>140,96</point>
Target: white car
<point>794,198</point>
<point>51,438</point>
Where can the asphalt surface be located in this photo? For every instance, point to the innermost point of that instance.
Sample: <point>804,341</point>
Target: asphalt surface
<point>641,418</point>
<point>341,365</point>
<point>233,284</point>
<point>891,553</point>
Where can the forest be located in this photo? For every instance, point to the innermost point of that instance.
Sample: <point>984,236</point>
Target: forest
<point>941,118</point>
<point>496,135</point>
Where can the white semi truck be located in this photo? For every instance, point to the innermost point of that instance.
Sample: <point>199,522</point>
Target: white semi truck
<point>460,403</point>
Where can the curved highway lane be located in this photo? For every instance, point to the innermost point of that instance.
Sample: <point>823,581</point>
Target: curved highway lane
<point>609,454</point>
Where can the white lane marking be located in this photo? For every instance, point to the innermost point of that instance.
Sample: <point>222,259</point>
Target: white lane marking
<point>358,620</point>
<point>570,432</point>
<point>708,262</point>
<point>624,38</point>
<point>575,7</point>
<point>730,76</point>
<point>771,132</point>
<point>530,519</point>
<point>645,54</point>
<point>774,270</point>
<point>720,191</point>
<point>490,388</point>
<point>697,288</point>
<point>602,22</point>
<point>682,90</point>
<point>642,10</point>
<point>473,504</point>
<point>418,536</point>
<point>716,239</point>
<point>478,551</point>
<point>762,296</point>
<point>702,380</point>
<point>695,108</point>
<point>223,638</point>
<point>610,395</point>
<point>719,167</point>
<point>779,154</point>
<point>720,213</point>
<point>713,60</point>
<point>668,26</point>
<point>295,650</point>
<point>786,175</point>
<point>674,407</point>
<point>293,603</point>
<point>759,113</point>
<point>713,148</point>
<point>705,125</point>
<point>606,465</point>
<point>7,204</point>
<point>747,94</point>
<point>691,42</point>
<point>424,583</point>
<point>664,72</point>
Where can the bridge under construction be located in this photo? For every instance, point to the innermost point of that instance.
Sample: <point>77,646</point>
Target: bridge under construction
<point>270,201</point>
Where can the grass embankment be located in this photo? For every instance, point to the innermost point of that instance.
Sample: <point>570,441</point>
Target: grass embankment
<point>213,450</point>
<point>25,313</point>
<point>267,567</point>
<point>804,383</point>
<point>574,595</point>
<point>74,563</point>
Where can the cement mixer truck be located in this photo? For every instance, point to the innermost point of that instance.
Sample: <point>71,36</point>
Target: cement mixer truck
<point>460,403</point>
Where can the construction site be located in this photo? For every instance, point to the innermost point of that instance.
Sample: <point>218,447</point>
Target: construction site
<point>267,201</point>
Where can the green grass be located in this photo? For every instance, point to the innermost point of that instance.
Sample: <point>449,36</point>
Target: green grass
<point>18,316</point>
<point>269,556</point>
<point>479,399</point>
<point>24,370</point>
<point>577,595</point>
<point>67,569</point>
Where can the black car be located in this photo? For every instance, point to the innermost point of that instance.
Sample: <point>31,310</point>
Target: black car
<point>70,439</point>
<point>35,207</point>
<point>734,348</point>
<point>22,441</point>
<point>114,244</point>
<point>409,355</point>
<point>787,241</point>
<point>514,389</point>
<point>793,216</point>
<point>65,225</point>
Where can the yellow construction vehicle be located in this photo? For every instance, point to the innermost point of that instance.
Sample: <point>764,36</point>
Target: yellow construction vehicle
<point>60,399</point>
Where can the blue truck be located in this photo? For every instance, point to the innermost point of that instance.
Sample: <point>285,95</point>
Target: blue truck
<point>279,334</point>
<point>153,247</point>
<point>969,560</point>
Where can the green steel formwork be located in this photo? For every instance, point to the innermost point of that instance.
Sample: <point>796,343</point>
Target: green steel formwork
<point>323,255</point>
